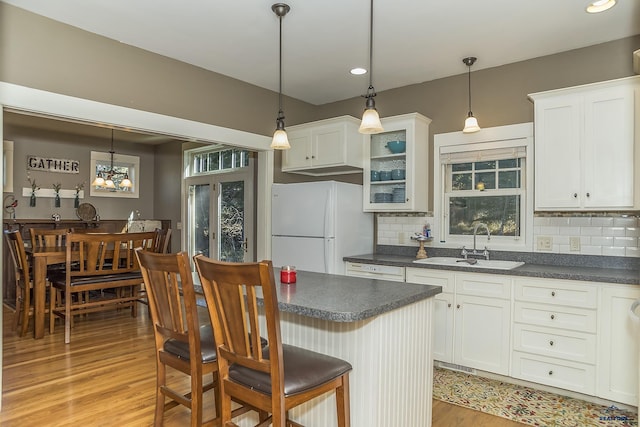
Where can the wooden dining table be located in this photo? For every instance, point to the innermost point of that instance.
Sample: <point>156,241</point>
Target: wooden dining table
<point>43,257</point>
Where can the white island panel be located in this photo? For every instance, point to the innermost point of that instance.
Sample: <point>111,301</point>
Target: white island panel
<point>391,381</point>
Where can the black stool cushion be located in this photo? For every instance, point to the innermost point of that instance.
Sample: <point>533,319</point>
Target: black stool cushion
<point>207,346</point>
<point>303,370</point>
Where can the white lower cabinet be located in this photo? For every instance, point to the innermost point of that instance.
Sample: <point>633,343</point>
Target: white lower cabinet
<point>472,318</point>
<point>554,333</point>
<point>574,335</point>
<point>618,344</point>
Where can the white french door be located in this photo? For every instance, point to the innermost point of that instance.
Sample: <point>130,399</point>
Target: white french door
<point>220,216</point>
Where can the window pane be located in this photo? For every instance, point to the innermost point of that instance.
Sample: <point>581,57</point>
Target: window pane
<point>461,167</point>
<point>509,179</point>
<point>227,159</point>
<point>500,213</point>
<point>487,178</point>
<point>485,165</point>
<point>509,163</point>
<point>232,221</point>
<point>461,181</point>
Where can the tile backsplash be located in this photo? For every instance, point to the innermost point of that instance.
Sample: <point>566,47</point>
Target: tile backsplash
<point>589,235</point>
<point>614,235</point>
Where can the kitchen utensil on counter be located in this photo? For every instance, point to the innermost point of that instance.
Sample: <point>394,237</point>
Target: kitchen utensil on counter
<point>288,274</point>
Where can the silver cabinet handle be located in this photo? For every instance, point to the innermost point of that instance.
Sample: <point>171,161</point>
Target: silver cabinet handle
<point>550,372</point>
<point>551,343</point>
<point>553,316</point>
<point>575,195</point>
<point>553,293</point>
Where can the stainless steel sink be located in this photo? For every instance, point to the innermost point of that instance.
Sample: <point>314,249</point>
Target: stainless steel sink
<point>472,263</point>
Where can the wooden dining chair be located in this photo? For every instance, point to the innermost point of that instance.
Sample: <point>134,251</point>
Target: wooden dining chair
<point>23,280</point>
<point>273,379</point>
<point>162,240</point>
<point>181,342</point>
<point>45,237</point>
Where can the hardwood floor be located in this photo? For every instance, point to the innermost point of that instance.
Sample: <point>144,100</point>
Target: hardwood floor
<point>106,377</point>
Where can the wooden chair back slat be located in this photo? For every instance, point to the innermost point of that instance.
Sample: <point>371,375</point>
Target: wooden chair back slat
<point>161,242</point>
<point>18,256</point>
<point>47,237</point>
<point>233,289</point>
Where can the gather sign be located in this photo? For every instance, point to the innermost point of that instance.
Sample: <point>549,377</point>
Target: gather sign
<point>53,165</point>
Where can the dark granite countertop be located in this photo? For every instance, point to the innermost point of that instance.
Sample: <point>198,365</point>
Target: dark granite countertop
<point>345,299</point>
<point>568,272</point>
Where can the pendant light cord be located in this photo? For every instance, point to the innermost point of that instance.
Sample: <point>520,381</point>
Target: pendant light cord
<point>371,48</point>
<point>280,72</point>
<point>469,67</point>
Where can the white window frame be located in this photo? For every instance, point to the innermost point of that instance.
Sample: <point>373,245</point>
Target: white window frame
<point>7,179</point>
<point>503,137</point>
<point>131,162</point>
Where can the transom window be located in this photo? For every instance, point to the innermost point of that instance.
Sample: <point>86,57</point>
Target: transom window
<point>217,160</point>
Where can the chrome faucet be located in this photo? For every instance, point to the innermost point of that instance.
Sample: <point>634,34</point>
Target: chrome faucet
<point>485,253</point>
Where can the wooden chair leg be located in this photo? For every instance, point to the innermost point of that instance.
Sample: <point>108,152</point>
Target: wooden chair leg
<point>16,318</point>
<point>26,307</point>
<point>342,403</point>
<point>161,381</point>
<point>53,293</point>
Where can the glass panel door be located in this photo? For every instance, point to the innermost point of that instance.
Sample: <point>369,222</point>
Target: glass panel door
<point>233,243</point>
<point>220,216</point>
<point>199,211</point>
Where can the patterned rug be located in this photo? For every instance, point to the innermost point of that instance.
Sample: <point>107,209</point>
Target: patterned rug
<point>524,404</point>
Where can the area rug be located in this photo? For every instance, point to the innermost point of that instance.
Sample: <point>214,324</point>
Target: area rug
<point>524,404</point>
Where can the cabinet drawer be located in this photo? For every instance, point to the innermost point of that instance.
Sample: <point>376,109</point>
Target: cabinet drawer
<point>424,276</point>
<point>575,319</point>
<point>557,292</point>
<point>574,376</point>
<point>482,284</point>
<point>560,343</point>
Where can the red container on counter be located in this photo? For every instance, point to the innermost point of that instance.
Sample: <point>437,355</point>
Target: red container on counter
<point>288,274</point>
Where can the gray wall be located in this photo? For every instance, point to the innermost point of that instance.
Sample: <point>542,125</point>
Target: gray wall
<point>30,141</point>
<point>40,53</point>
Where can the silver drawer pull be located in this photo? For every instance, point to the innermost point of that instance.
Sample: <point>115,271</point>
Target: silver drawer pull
<point>550,372</point>
<point>553,316</point>
<point>449,305</point>
<point>551,343</point>
<point>553,293</point>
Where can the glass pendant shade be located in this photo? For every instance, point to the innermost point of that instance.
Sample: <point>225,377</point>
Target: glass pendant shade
<point>471,124</point>
<point>126,182</point>
<point>280,140</point>
<point>109,183</point>
<point>370,122</point>
<point>99,181</point>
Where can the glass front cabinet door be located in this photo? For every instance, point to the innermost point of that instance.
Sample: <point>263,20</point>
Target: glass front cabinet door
<point>396,166</point>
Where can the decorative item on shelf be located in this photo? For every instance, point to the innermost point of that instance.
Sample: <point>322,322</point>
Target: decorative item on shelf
<point>370,118</point>
<point>470,123</point>
<point>113,175</point>
<point>76,201</point>
<point>55,217</point>
<point>34,188</point>
<point>86,212</point>
<point>10,204</point>
<point>421,238</point>
<point>280,140</point>
<point>56,188</point>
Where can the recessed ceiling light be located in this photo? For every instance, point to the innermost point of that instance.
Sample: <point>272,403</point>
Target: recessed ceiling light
<point>600,6</point>
<point>358,71</point>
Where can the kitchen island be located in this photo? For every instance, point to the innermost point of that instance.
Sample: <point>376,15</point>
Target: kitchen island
<point>382,328</point>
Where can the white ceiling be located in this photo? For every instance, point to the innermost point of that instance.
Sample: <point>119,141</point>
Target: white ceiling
<point>414,41</point>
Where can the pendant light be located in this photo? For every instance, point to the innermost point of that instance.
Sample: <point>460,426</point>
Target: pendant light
<point>470,123</point>
<point>280,140</point>
<point>370,118</point>
<point>100,181</point>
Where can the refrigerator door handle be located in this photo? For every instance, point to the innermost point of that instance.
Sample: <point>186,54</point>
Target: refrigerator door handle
<point>328,211</point>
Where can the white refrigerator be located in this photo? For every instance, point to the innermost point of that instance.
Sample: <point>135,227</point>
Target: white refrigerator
<point>315,224</point>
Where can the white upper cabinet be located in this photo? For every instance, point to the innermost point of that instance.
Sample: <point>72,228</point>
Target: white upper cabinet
<point>397,179</point>
<point>326,147</point>
<point>587,147</point>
